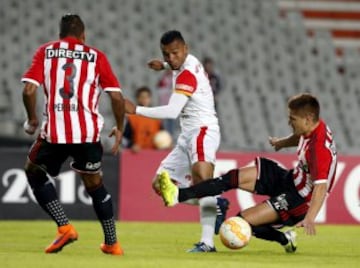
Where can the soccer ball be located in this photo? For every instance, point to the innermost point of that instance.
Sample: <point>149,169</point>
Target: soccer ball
<point>162,140</point>
<point>235,233</point>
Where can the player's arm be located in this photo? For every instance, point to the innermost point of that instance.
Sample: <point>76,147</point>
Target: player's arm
<point>185,86</point>
<point>117,105</point>
<point>172,110</point>
<point>288,141</point>
<point>317,199</point>
<point>32,79</point>
<point>321,167</point>
<point>29,100</point>
<point>158,65</point>
<point>111,85</point>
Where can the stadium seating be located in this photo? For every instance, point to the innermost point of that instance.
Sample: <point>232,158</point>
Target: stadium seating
<point>263,54</point>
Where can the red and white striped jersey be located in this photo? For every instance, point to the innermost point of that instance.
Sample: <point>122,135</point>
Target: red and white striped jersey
<point>317,161</point>
<point>72,74</point>
<point>192,81</point>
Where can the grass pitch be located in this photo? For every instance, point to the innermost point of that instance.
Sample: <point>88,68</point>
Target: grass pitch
<point>164,245</point>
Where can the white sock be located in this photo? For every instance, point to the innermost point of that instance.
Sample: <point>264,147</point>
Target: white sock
<point>207,219</point>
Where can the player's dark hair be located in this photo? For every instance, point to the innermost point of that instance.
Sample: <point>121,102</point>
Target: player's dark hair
<point>170,36</point>
<point>141,90</point>
<point>305,102</point>
<point>71,25</point>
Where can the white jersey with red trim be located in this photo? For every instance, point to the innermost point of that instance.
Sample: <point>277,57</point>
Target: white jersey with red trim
<point>192,80</point>
<point>71,74</point>
<point>317,161</point>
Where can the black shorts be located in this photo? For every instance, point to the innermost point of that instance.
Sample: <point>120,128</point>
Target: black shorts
<point>50,156</point>
<point>277,182</point>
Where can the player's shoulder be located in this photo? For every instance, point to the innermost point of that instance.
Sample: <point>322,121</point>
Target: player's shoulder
<point>322,135</point>
<point>91,47</point>
<point>40,50</point>
<point>47,45</point>
<point>192,59</point>
<point>191,66</point>
<point>100,55</point>
<point>191,62</point>
<point>323,129</point>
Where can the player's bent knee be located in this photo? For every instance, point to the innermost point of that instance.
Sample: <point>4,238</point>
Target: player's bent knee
<point>92,181</point>
<point>247,217</point>
<point>202,171</point>
<point>36,176</point>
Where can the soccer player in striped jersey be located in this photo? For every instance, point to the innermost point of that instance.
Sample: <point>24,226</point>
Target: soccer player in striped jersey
<point>193,158</point>
<point>296,195</point>
<point>73,75</point>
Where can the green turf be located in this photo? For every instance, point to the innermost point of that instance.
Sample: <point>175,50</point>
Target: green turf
<point>164,245</point>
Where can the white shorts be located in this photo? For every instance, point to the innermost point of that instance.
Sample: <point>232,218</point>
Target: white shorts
<point>193,146</point>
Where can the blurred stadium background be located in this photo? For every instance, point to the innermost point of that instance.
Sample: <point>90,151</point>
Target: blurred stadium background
<point>265,51</point>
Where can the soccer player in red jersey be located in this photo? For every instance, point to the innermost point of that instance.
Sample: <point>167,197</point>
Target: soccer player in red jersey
<point>73,75</point>
<point>296,195</point>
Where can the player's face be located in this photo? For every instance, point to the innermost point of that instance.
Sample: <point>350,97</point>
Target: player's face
<point>298,122</point>
<point>175,54</point>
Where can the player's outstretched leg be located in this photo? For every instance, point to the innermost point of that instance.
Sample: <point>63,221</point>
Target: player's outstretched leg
<point>211,187</point>
<point>172,195</point>
<point>168,190</point>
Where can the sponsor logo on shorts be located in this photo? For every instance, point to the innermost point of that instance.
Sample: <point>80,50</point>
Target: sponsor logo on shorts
<point>93,166</point>
<point>280,203</point>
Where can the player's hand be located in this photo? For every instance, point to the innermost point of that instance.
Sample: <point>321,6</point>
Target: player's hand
<point>275,143</point>
<point>130,107</point>
<point>156,64</point>
<point>30,126</point>
<point>309,226</point>
<point>118,136</point>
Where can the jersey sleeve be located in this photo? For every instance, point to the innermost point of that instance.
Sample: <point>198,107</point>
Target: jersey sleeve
<point>320,163</point>
<point>35,73</point>
<point>169,111</point>
<point>186,83</point>
<point>107,79</point>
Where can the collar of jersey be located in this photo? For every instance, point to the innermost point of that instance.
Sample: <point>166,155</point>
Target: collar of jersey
<point>315,130</point>
<point>71,39</point>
